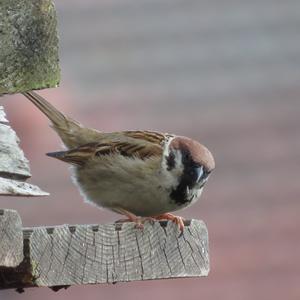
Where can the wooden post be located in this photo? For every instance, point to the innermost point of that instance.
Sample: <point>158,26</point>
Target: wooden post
<point>89,254</point>
<point>28,45</point>
<point>11,239</point>
<point>14,167</point>
<point>28,60</point>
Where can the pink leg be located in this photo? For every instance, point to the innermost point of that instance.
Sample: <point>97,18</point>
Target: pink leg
<point>139,221</point>
<point>176,219</point>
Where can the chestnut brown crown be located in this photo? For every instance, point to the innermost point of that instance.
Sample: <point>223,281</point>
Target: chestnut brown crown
<point>198,153</point>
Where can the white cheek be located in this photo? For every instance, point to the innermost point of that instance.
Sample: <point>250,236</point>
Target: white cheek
<point>172,177</point>
<point>166,146</point>
<point>179,167</point>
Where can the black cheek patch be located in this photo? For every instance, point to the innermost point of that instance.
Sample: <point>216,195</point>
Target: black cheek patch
<point>170,161</point>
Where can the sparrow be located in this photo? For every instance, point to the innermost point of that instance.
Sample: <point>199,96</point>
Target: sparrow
<point>143,175</point>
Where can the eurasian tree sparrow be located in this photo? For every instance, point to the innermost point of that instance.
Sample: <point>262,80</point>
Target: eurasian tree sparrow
<point>140,174</point>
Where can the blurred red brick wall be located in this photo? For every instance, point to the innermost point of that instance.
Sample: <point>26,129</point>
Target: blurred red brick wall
<point>226,73</point>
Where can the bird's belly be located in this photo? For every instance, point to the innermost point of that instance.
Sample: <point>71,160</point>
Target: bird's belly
<point>131,188</point>
<point>142,199</point>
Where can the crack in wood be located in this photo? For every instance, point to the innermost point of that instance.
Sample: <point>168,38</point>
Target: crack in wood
<point>188,243</point>
<point>86,258</point>
<point>140,255</point>
<point>14,176</point>
<point>51,256</point>
<point>180,254</point>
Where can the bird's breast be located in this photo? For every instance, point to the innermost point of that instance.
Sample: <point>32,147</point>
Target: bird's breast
<point>138,186</point>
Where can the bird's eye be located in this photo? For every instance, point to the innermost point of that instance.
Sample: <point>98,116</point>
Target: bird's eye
<point>196,174</point>
<point>199,172</point>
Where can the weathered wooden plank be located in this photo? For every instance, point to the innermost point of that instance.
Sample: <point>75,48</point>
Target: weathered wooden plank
<point>11,239</point>
<point>102,254</point>
<point>89,254</point>
<point>28,45</point>
<point>12,160</point>
<point>11,187</point>
<point>14,167</point>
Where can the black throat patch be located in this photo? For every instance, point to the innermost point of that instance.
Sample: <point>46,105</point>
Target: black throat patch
<point>180,195</point>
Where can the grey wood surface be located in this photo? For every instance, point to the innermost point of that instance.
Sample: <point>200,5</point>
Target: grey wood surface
<point>13,163</point>
<point>11,239</point>
<point>11,187</point>
<point>2,116</point>
<point>89,254</point>
<point>101,254</point>
<point>14,167</point>
<point>28,45</point>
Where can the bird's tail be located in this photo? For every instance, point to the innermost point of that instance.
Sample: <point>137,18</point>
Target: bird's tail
<point>72,133</point>
<point>57,118</point>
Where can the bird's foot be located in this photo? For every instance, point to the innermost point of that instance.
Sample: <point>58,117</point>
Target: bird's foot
<point>139,221</point>
<point>139,224</point>
<point>176,219</point>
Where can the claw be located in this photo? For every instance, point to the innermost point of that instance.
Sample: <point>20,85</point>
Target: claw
<point>139,224</point>
<point>139,221</point>
<point>176,219</point>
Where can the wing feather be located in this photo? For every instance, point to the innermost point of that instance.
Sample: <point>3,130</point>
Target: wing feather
<point>141,144</point>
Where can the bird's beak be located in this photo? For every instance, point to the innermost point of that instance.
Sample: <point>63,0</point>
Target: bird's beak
<point>202,176</point>
<point>200,173</point>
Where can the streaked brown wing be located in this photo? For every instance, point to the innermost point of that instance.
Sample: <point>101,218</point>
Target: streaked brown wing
<point>139,145</point>
<point>129,149</point>
<point>76,156</point>
<point>148,136</point>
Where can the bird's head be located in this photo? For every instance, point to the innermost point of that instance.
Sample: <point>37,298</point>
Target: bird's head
<point>191,163</point>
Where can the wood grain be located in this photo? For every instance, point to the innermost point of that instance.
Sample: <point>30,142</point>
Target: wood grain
<point>90,254</point>
<point>2,116</point>
<point>29,46</point>
<point>11,187</point>
<point>101,254</point>
<point>11,239</point>
<point>14,167</point>
<point>13,163</point>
